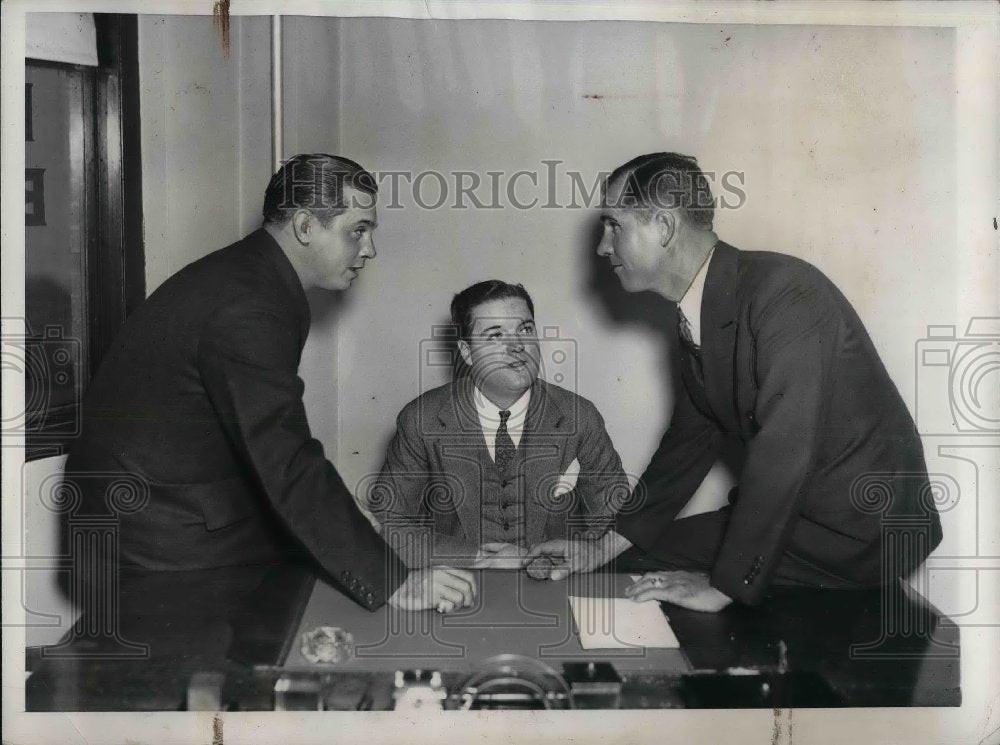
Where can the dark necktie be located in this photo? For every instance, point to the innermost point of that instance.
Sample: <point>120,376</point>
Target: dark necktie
<point>687,344</point>
<point>684,332</point>
<point>504,446</point>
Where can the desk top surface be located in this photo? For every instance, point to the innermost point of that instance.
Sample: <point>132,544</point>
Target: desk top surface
<point>513,614</point>
<point>880,647</point>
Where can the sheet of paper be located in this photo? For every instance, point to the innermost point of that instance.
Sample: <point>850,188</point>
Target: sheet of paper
<point>620,623</point>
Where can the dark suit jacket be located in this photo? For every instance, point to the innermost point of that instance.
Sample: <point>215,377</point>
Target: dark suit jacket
<point>791,373</point>
<point>199,397</point>
<point>431,484</point>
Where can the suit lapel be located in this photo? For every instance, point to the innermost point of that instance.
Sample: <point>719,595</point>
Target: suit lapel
<point>463,452</point>
<point>542,443</point>
<point>718,329</point>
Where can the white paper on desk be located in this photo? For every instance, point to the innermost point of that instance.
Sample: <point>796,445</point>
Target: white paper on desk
<point>621,623</point>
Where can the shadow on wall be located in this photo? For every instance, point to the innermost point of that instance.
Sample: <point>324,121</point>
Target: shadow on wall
<point>648,311</point>
<point>653,314</point>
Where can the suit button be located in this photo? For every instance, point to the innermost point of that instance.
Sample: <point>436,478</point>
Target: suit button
<point>747,580</point>
<point>370,598</point>
<point>504,505</point>
<point>506,526</point>
<point>751,416</point>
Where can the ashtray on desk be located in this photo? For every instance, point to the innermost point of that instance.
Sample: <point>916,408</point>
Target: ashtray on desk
<point>327,645</point>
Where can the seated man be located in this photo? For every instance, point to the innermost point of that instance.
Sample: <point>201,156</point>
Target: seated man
<point>483,467</point>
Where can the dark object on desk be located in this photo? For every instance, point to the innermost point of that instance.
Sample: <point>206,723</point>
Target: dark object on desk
<point>510,681</point>
<point>594,685</point>
<point>720,690</point>
<point>540,567</point>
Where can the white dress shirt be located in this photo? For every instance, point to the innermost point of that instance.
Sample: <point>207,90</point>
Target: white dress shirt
<point>690,304</point>
<point>489,418</point>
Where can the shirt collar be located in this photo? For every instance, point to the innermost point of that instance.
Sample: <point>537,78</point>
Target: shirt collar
<point>489,413</point>
<point>690,304</point>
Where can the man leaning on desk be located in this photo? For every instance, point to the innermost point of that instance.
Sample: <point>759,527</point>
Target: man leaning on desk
<point>497,460</point>
<point>774,358</point>
<point>199,396</point>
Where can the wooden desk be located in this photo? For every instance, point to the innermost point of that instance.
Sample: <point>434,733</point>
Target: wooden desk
<point>244,624</point>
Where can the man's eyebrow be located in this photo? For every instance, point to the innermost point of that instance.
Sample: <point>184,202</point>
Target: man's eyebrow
<point>365,221</point>
<point>490,328</point>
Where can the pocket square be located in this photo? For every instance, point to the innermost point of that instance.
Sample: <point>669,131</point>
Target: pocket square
<point>567,481</point>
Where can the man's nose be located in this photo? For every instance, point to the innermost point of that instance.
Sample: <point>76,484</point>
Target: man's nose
<point>515,344</point>
<point>368,251</point>
<point>604,247</point>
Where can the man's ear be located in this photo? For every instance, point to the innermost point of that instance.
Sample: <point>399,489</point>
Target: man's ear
<point>666,221</point>
<point>465,351</point>
<point>302,222</point>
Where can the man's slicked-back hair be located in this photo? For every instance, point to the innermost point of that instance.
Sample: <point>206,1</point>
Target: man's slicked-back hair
<point>465,302</point>
<point>665,181</point>
<point>316,182</point>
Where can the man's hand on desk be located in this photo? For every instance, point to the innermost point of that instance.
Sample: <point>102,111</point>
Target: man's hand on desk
<point>690,590</point>
<point>442,588</point>
<point>574,556</point>
<point>500,556</point>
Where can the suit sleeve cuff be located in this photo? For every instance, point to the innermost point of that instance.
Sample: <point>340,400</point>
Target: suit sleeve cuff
<point>746,584</point>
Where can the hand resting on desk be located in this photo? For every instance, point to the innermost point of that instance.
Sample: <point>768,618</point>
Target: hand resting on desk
<point>690,590</point>
<point>442,588</point>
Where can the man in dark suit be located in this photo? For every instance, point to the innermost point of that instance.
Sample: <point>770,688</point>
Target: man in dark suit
<point>199,398</point>
<point>497,460</point>
<point>775,359</point>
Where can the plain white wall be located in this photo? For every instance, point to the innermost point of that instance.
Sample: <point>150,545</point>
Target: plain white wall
<point>311,121</point>
<point>206,136</point>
